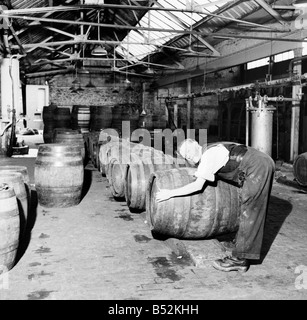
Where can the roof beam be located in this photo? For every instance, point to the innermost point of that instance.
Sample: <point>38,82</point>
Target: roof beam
<point>271,11</point>
<point>281,7</point>
<point>116,26</point>
<point>70,35</point>
<point>16,12</point>
<point>201,8</point>
<point>208,45</point>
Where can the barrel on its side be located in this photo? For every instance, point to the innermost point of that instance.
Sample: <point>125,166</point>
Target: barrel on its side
<point>122,157</point>
<point>59,175</point>
<point>117,160</point>
<point>9,227</point>
<point>15,181</point>
<point>137,175</point>
<point>300,169</point>
<point>105,152</point>
<point>209,213</point>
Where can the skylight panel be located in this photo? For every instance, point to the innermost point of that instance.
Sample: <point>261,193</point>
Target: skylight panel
<point>148,40</point>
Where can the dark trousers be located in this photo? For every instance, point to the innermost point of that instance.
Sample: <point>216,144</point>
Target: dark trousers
<point>259,169</point>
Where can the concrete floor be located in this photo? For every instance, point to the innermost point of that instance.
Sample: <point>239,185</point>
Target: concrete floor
<point>101,250</point>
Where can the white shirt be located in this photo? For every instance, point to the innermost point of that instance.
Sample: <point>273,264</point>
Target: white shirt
<point>212,160</point>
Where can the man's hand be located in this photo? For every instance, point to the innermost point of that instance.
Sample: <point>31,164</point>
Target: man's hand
<point>163,194</point>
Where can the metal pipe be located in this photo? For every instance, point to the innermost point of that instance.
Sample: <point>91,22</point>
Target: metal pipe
<point>6,42</point>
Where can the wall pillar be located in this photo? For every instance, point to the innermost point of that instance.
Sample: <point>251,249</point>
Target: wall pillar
<point>295,113</point>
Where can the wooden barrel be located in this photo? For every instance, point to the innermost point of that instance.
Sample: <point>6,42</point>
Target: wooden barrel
<point>25,174</point>
<point>61,130</point>
<point>58,175</point>
<point>9,227</point>
<point>62,117</point>
<point>101,117</point>
<point>202,215</point>
<point>80,117</point>
<point>108,150</point>
<point>137,175</point>
<point>21,169</point>
<point>72,138</point>
<point>48,113</point>
<point>120,158</point>
<point>125,112</point>
<point>15,180</point>
<point>300,169</point>
<point>49,123</point>
<point>48,132</point>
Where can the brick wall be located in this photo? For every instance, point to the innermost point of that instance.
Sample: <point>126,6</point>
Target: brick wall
<point>61,95</point>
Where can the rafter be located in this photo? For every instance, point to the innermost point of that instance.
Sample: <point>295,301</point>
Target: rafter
<point>271,11</point>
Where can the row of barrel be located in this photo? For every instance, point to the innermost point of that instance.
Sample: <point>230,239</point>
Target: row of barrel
<point>82,118</point>
<point>135,173</point>
<point>95,118</point>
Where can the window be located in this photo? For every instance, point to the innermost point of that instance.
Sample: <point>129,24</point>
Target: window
<point>258,63</point>
<point>288,55</point>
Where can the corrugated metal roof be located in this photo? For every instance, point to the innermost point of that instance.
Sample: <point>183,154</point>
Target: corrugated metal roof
<point>140,30</point>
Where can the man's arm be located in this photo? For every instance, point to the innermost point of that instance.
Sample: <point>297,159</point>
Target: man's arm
<point>212,160</point>
<point>165,194</point>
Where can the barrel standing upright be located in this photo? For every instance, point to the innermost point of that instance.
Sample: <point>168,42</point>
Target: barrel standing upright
<point>59,175</point>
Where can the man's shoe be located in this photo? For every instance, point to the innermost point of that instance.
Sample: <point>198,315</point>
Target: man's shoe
<point>231,264</point>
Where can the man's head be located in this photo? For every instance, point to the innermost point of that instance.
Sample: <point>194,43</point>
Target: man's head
<point>190,150</point>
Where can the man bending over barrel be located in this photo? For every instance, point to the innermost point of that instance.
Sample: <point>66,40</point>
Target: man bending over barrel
<point>249,169</point>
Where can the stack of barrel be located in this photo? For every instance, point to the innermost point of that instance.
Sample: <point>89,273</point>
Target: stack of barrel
<point>14,210</point>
